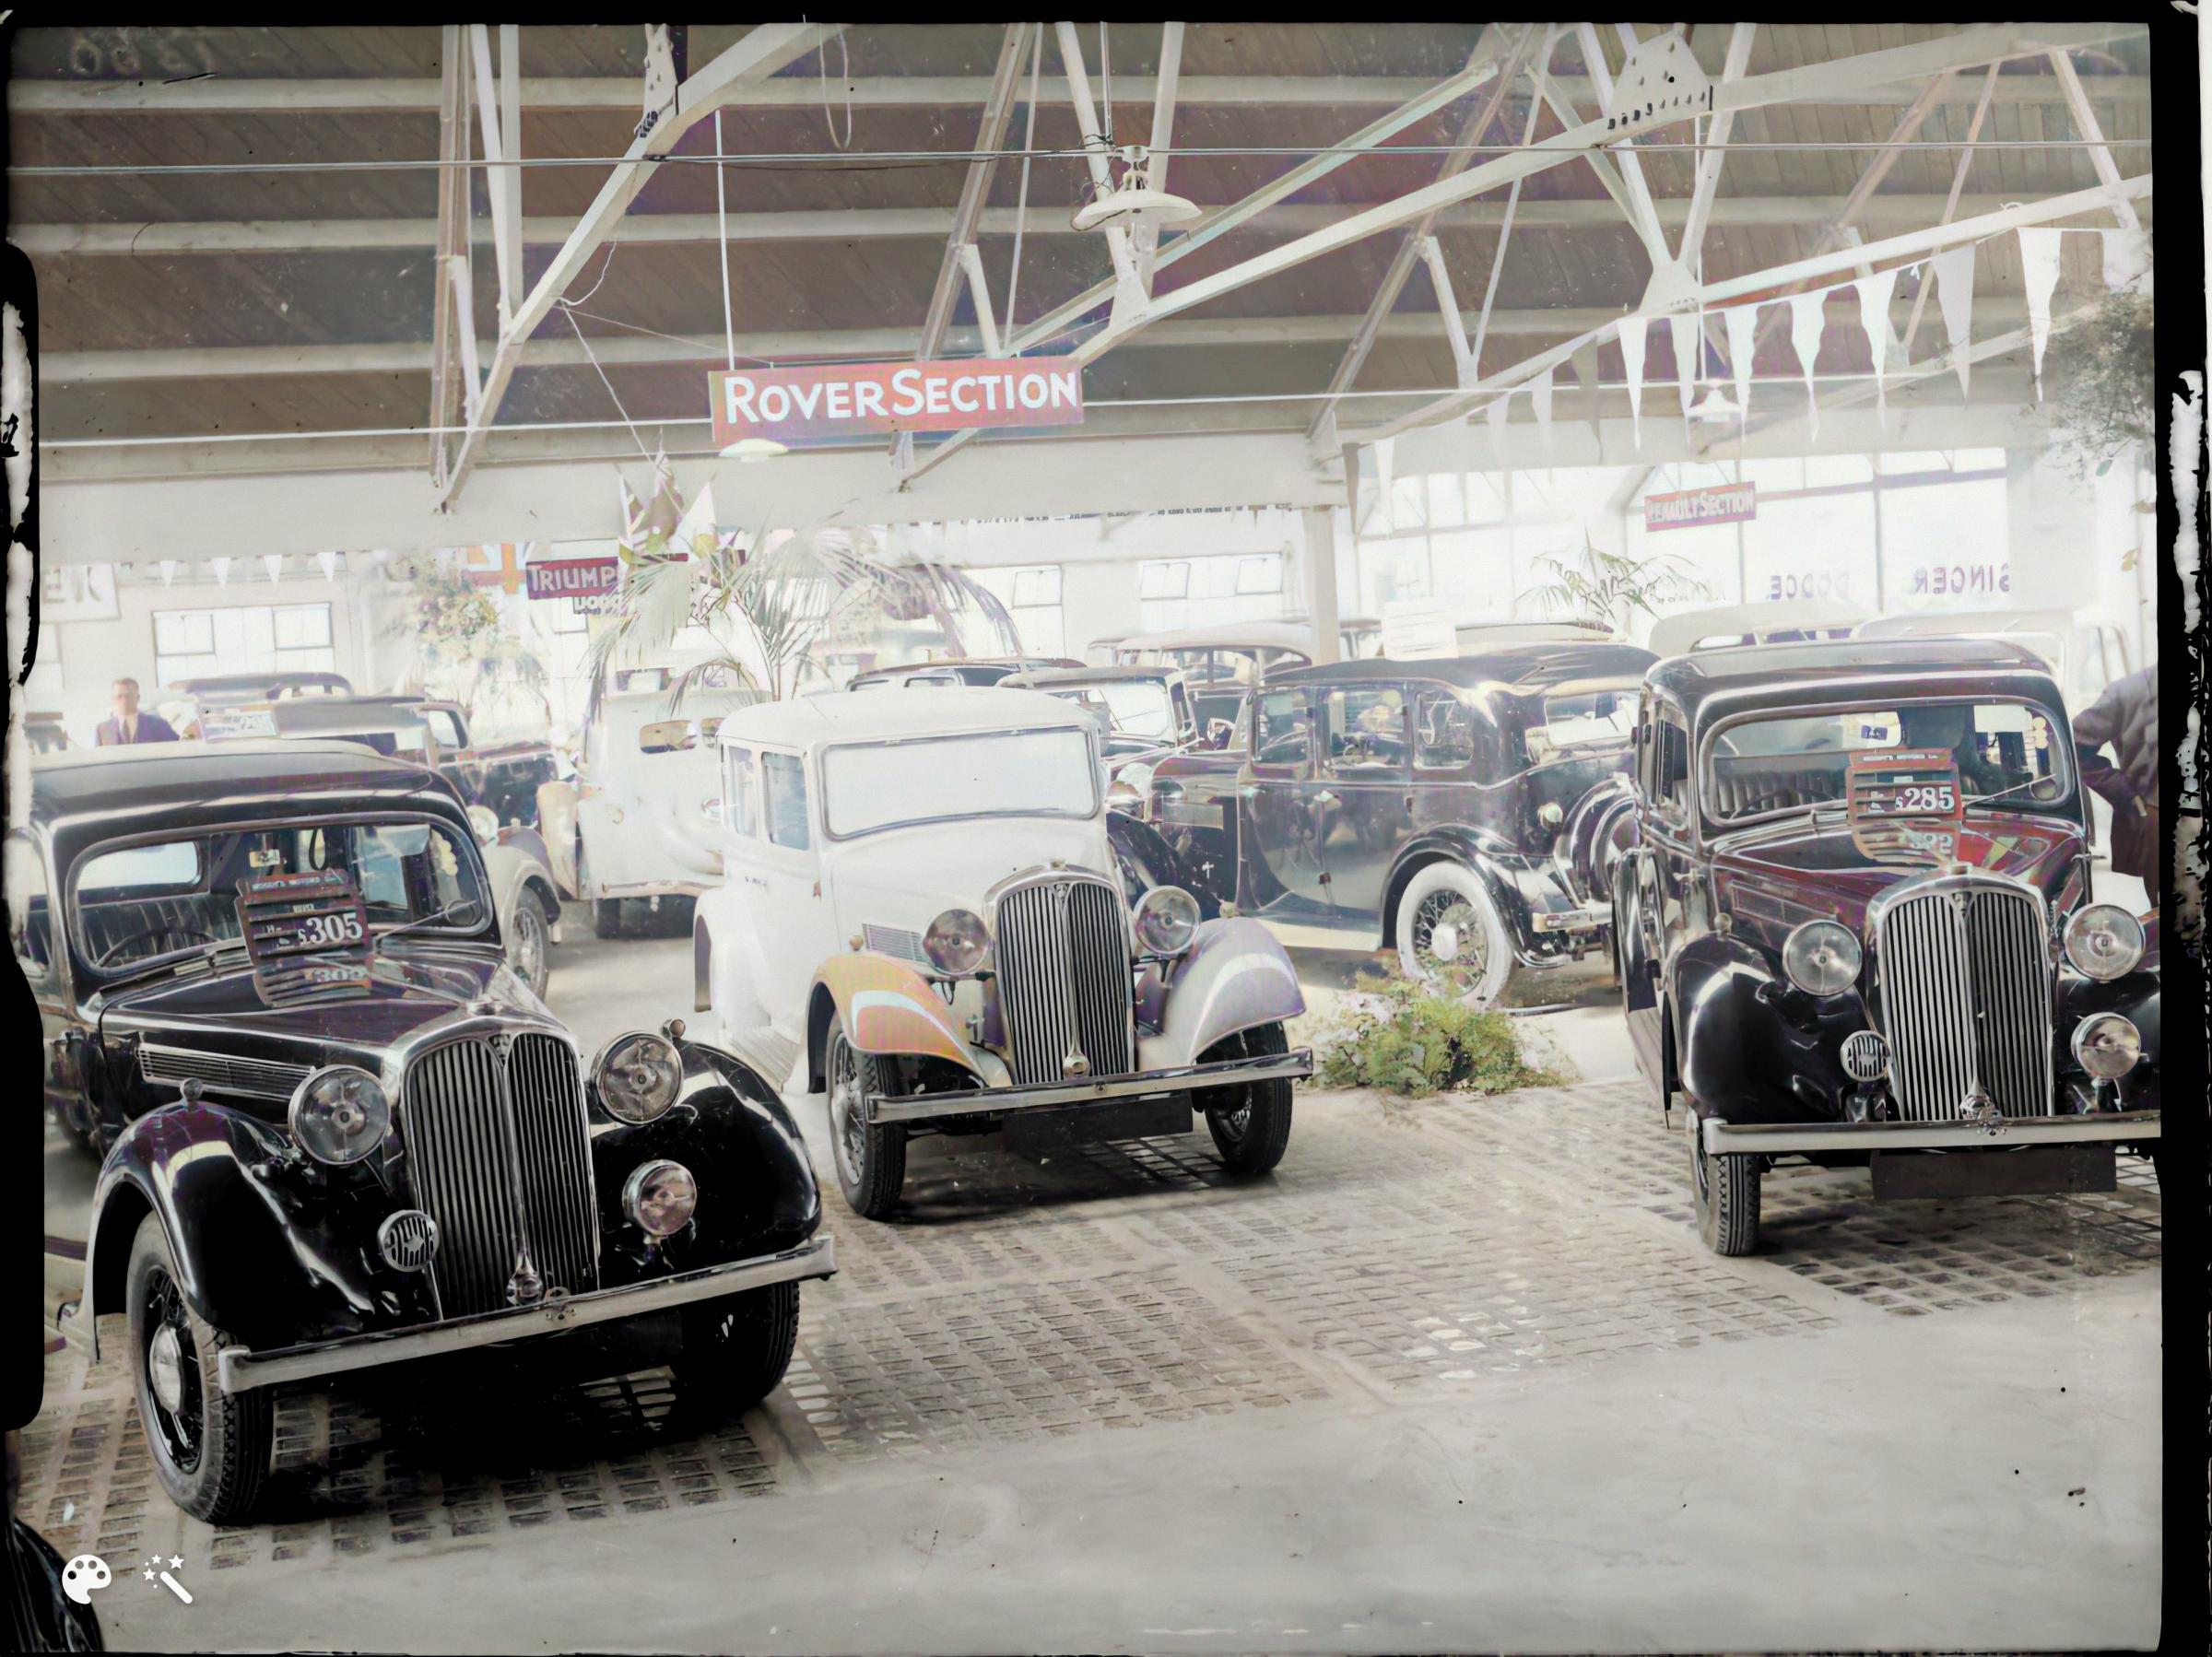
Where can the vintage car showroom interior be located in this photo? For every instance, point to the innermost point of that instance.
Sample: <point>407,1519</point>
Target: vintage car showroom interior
<point>1103,836</point>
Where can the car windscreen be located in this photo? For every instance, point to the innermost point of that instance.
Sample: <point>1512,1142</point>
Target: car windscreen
<point>134,904</point>
<point>866,787</point>
<point>2006,751</point>
<point>1583,722</point>
<point>678,735</point>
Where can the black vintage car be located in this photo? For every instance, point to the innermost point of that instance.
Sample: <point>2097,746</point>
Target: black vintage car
<point>1856,927</point>
<point>1460,810</point>
<point>338,1133</point>
<point>502,777</point>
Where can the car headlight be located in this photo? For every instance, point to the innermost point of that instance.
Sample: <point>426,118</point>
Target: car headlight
<point>2103,941</point>
<point>339,1114</point>
<point>1167,919</point>
<point>1123,796</point>
<point>957,941</point>
<point>2107,1045</point>
<point>638,1076</point>
<point>660,1198</point>
<point>1822,957</point>
<point>485,823</point>
<point>711,808</point>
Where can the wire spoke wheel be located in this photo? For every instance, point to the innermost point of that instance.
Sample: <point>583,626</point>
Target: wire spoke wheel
<point>172,1362</point>
<point>1450,942</point>
<point>847,1131</point>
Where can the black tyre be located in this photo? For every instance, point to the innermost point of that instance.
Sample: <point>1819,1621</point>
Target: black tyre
<point>606,917</point>
<point>1727,1193</point>
<point>211,1448</point>
<point>86,1138</point>
<point>736,1349</point>
<point>530,950</point>
<point>871,1161</point>
<point>1251,1124</point>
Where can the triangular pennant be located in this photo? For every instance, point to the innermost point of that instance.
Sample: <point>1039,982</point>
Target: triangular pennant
<point>1684,328</point>
<point>1743,345</point>
<point>1808,317</point>
<point>1540,397</point>
<point>1634,337</point>
<point>329,561</point>
<point>1955,296</point>
<point>1875,293</point>
<point>1585,377</point>
<point>274,563</point>
<point>222,571</point>
<point>2039,271</point>
<point>169,570</point>
<point>2126,258</point>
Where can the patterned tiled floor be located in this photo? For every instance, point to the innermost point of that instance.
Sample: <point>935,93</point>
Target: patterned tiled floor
<point>1400,1249</point>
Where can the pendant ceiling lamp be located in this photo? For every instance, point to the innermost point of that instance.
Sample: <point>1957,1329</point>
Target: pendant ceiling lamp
<point>751,450</point>
<point>1133,201</point>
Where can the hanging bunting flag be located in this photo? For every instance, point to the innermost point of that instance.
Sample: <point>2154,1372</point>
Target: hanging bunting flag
<point>1687,364</point>
<point>1875,293</point>
<point>274,563</point>
<point>1743,345</point>
<point>1540,397</point>
<point>2126,258</point>
<point>1634,337</point>
<point>1585,377</point>
<point>329,561</point>
<point>1955,296</point>
<point>1808,316</point>
<point>2038,270</point>
<point>1496,415</point>
<point>169,570</point>
<point>222,571</point>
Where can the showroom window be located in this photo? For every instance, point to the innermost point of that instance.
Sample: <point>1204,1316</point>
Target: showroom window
<point>1469,540</point>
<point>1178,592</point>
<point>282,638</point>
<point>1031,595</point>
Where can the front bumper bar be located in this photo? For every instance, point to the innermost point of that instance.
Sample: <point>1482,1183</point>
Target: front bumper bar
<point>239,1369</point>
<point>1775,1139</point>
<point>1149,1083</point>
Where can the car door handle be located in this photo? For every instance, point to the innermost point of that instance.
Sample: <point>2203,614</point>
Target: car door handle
<point>1324,798</point>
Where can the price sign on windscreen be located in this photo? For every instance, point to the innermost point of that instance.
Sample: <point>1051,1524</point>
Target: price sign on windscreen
<point>304,931</point>
<point>1906,805</point>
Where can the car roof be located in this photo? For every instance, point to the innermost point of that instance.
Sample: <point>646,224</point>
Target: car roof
<point>200,786</point>
<point>1957,624</point>
<point>1783,672</point>
<point>1535,667</point>
<point>965,662</point>
<point>1673,635</point>
<point>1121,673</point>
<point>344,715</point>
<point>898,713</point>
<point>1228,635</point>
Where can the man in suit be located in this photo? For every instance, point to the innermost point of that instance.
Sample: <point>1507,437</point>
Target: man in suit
<point>129,724</point>
<point>2126,717</point>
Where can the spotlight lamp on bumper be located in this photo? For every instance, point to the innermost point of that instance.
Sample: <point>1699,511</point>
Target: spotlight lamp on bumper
<point>660,1198</point>
<point>2107,1045</point>
<point>639,1076</point>
<point>957,942</point>
<point>2103,941</point>
<point>1166,921</point>
<point>1822,957</point>
<point>339,1114</point>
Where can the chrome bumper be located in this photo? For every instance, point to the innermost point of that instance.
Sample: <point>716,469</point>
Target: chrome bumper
<point>1150,1084</point>
<point>239,1369</point>
<point>1774,1139</point>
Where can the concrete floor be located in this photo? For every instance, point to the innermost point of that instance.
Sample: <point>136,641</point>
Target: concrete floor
<point>1458,1376</point>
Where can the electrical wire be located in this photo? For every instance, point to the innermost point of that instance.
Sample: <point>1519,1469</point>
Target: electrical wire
<point>845,72</point>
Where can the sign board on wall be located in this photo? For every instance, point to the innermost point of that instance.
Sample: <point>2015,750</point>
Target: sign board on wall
<point>77,593</point>
<point>1723,503</point>
<point>850,399</point>
<point>1416,628</point>
<point>572,578</point>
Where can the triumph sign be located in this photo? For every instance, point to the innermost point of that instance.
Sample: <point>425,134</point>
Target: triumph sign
<point>572,578</point>
<point>850,399</point>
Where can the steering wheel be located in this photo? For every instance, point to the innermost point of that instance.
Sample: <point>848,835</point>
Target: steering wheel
<point>160,929</point>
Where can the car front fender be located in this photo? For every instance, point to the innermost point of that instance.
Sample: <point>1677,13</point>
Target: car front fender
<point>1234,977</point>
<point>1748,1047</point>
<point>884,1007</point>
<point>268,1249</point>
<point>2135,996</point>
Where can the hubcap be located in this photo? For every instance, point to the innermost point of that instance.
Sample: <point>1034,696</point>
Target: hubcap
<point>1444,942</point>
<point>1449,944</point>
<point>849,1133</point>
<point>165,1369</point>
<point>173,1377</point>
<point>529,942</point>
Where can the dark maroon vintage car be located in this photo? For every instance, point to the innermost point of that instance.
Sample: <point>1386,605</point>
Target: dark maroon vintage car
<point>1856,927</point>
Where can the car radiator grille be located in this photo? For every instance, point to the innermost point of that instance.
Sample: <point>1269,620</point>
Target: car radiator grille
<point>1063,967</point>
<point>463,1165</point>
<point>1966,988</point>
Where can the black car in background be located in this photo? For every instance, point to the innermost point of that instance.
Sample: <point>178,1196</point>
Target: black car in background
<point>1463,811</point>
<point>1856,927</point>
<point>338,1133</point>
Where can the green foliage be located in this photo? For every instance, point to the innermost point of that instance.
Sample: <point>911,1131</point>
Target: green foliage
<point>2098,376</point>
<point>1609,587</point>
<point>1411,1041</point>
<point>460,649</point>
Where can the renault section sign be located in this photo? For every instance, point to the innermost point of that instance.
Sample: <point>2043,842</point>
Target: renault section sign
<point>849,399</point>
<point>1727,503</point>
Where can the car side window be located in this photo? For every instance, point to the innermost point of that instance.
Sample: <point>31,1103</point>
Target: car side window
<point>783,786</point>
<point>446,727</point>
<point>1671,778</point>
<point>1366,727</point>
<point>1283,733</point>
<point>29,913</point>
<point>741,811</point>
<point>1443,732</point>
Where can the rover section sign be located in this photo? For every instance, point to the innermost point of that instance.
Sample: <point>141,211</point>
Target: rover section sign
<point>846,399</point>
<point>1727,503</point>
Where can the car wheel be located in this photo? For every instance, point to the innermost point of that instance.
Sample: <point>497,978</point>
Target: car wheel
<point>1451,936</point>
<point>871,1161</point>
<point>737,1348</point>
<point>211,1448</point>
<point>1727,1192</point>
<point>529,951</point>
<point>1251,1124</point>
<point>86,1138</point>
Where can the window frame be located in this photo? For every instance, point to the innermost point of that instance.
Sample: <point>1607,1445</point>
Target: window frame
<point>1280,770</point>
<point>740,762</point>
<point>1328,763</point>
<point>807,793</point>
<point>1450,693</point>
